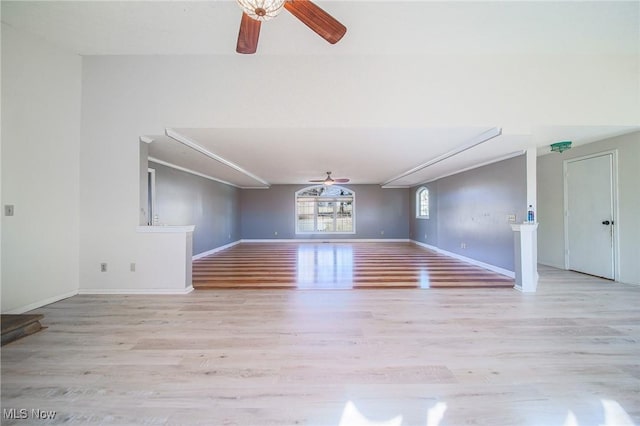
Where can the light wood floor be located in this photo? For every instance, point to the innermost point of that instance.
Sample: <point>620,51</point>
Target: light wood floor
<point>567,355</point>
<point>338,266</point>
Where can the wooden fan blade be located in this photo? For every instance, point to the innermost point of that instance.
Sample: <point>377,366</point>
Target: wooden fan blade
<point>317,181</point>
<point>341,180</point>
<point>325,25</point>
<point>248,35</point>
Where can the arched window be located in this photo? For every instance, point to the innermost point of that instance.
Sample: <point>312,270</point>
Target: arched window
<point>323,209</point>
<point>422,203</point>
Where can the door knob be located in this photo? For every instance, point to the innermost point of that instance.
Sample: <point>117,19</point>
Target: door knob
<point>606,222</point>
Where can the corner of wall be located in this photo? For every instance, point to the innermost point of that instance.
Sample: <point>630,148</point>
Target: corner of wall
<point>40,242</point>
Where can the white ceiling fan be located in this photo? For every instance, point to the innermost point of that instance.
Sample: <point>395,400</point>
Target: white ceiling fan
<point>329,180</point>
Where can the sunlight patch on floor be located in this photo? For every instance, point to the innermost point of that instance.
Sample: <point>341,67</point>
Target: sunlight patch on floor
<point>614,415</point>
<point>436,413</point>
<point>351,416</point>
<point>571,420</point>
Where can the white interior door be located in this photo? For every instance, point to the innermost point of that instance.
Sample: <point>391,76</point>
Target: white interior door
<point>589,195</point>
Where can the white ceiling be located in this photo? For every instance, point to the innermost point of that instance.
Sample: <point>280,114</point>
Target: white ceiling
<point>258,157</point>
<point>96,27</point>
<point>283,156</point>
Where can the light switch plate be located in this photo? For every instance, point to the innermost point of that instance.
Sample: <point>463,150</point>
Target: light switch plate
<point>8,209</point>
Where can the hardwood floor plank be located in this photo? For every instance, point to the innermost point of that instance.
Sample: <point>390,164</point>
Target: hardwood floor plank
<point>340,266</point>
<point>272,357</point>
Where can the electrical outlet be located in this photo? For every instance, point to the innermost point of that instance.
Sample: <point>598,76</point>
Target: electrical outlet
<point>425,236</point>
<point>511,218</point>
<point>132,267</point>
<point>8,209</point>
<point>275,233</point>
<point>381,232</point>
<point>103,267</point>
<point>463,245</point>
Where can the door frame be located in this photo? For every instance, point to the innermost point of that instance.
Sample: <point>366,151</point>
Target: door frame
<point>614,197</point>
<point>151,197</point>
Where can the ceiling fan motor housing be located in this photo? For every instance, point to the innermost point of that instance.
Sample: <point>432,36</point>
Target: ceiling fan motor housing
<point>261,10</point>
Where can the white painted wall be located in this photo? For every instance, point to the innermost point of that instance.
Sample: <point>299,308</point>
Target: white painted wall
<point>41,88</point>
<point>162,265</point>
<point>551,203</point>
<point>511,91</point>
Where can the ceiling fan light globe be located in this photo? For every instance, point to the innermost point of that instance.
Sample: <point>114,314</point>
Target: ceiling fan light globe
<point>261,10</point>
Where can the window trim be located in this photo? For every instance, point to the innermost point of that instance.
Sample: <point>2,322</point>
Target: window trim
<point>419,202</point>
<point>295,212</point>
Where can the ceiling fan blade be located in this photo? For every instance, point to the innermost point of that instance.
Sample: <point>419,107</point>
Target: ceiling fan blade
<point>317,181</point>
<point>325,25</point>
<point>248,35</point>
<point>341,180</point>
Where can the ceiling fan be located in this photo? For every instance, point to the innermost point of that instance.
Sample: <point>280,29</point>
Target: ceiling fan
<point>256,11</point>
<point>329,180</point>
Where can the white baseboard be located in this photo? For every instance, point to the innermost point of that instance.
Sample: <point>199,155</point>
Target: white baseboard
<point>147,291</point>
<point>328,240</point>
<point>499,270</point>
<point>41,303</point>
<point>215,250</point>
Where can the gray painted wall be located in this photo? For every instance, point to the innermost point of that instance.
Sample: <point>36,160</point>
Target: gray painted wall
<point>471,208</point>
<point>186,199</point>
<point>265,212</point>
<point>551,203</point>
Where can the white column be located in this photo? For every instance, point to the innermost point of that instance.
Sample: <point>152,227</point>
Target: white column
<point>526,234</point>
<point>526,256</point>
<point>531,156</point>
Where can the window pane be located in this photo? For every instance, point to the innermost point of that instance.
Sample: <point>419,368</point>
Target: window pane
<point>325,216</point>
<point>306,215</point>
<point>344,222</point>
